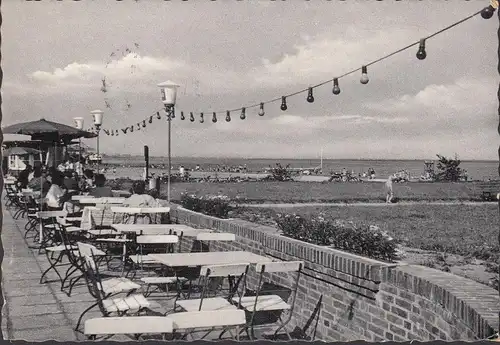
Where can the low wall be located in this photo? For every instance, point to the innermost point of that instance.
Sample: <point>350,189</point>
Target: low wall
<point>359,298</point>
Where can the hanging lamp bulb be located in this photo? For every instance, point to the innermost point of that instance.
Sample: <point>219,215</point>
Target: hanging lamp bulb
<point>112,133</point>
<point>131,129</point>
<point>228,116</point>
<point>283,103</point>
<point>336,88</point>
<point>364,75</point>
<point>214,118</point>
<point>151,119</point>
<point>310,97</point>
<point>261,110</point>
<point>144,123</point>
<point>243,115</point>
<point>158,116</point>
<point>191,117</point>
<point>487,12</point>
<point>182,116</point>
<point>138,126</point>
<point>117,132</point>
<point>106,131</point>
<point>124,130</point>
<point>421,54</point>
<point>201,118</point>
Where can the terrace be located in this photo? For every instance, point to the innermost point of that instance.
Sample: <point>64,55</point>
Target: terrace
<point>340,296</point>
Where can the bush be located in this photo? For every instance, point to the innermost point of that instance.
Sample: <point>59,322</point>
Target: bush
<point>281,173</point>
<point>216,206</point>
<point>449,169</point>
<point>363,239</point>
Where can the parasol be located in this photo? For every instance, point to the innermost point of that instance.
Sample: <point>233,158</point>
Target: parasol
<point>20,151</point>
<point>48,131</point>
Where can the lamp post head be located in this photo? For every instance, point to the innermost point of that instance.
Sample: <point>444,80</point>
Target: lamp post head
<point>97,115</point>
<point>168,92</point>
<point>79,122</point>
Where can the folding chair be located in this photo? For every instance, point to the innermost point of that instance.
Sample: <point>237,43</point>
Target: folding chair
<point>204,237</point>
<point>192,321</point>
<point>217,303</point>
<point>47,223</point>
<point>136,325</point>
<point>104,290</point>
<point>149,244</point>
<point>271,303</point>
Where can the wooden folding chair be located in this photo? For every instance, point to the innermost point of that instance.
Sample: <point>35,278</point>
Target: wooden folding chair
<point>271,303</point>
<point>217,303</point>
<point>104,290</point>
<point>192,321</point>
<point>147,244</point>
<point>204,237</point>
<point>132,325</point>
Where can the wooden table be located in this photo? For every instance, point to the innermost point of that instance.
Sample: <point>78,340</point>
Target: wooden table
<point>159,228</point>
<point>208,258</point>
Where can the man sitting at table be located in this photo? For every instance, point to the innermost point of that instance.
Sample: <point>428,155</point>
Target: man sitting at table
<point>100,191</point>
<point>39,182</point>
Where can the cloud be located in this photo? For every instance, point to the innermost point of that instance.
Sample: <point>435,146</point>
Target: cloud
<point>464,96</point>
<point>326,55</point>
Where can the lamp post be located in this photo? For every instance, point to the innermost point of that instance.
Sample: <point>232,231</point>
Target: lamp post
<point>79,125</point>
<point>97,115</point>
<point>168,97</point>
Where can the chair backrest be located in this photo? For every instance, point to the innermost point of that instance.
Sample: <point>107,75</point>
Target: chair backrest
<point>280,266</point>
<point>157,239</point>
<point>224,270</point>
<point>216,236</point>
<point>128,325</point>
<point>207,319</point>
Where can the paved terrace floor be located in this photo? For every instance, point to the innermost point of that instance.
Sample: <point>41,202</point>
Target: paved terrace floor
<point>38,312</point>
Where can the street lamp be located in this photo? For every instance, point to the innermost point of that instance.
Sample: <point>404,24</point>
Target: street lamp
<point>79,126</point>
<point>168,97</point>
<point>97,115</point>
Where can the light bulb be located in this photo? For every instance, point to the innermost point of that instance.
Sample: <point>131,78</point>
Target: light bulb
<point>201,118</point>
<point>261,110</point>
<point>283,103</point>
<point>487,12</point>
<point>151,119</point>
<point>243,115</point>
<point>214,118</point>
<point>310,97</point>
<point>112,133</point>
<point>421,54</point>
<point>182,116</point>
<point>138,126</point>
<point>117,132</point>
<point>124,130</point>
<point>191,117</point>
<point>158,116</point>
<point>364,75</point>
<point>106,131</point>
<point>228,116</point>
<point>144,123</point>
<point>131,129</point>
<point>336,88</point>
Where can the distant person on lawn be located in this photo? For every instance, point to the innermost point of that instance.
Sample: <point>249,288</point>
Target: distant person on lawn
<point>389,189</point>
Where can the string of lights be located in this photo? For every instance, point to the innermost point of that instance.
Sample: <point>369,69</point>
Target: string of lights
<point>421,54</point>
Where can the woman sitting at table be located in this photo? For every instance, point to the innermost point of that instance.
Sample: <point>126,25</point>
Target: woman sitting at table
<point>39,182</point>
<point>57,194</point>
<point>140,198</point>
<point>100,191</point>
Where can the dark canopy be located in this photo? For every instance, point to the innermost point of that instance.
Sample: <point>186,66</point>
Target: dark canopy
<point>48,131</point>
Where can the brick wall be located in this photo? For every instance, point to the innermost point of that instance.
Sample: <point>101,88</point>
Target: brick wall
<point>360,298</point>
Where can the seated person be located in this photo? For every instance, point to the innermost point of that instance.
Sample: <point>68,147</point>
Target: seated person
<point>23,178</point>
<point>100,191</point>
<point>39,182</point>
<point>87,180</point>
<point>140,198</point>
<point>70,181</point>
<point>57,194</point>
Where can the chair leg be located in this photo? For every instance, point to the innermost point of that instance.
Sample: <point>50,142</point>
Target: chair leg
<point>81,316</point>
<point>73,283</point>
<point>69,272</point>
<point>52,266</point>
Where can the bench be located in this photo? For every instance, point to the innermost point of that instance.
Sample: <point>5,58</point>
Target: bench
<point>489,190</point>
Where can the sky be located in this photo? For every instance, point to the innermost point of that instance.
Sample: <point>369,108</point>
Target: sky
<point>229,54</point>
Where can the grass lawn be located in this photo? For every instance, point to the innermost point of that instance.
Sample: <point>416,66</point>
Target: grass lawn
<point>294,192</point>
<point>468,230</point>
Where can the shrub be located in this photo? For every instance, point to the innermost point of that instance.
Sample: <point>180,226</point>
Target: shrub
<point>281,173</point>
<point>449,169</point>
<point>212,205</point>
<point>362,239</point>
